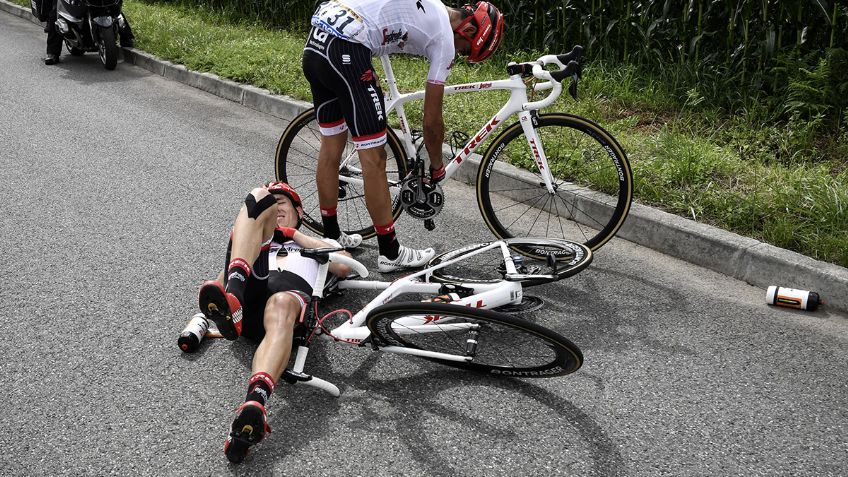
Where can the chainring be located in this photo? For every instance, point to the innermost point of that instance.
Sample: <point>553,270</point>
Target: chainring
<point>421,199</point>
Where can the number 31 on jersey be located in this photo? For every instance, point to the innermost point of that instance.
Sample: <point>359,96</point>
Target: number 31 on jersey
<point>341,21</point>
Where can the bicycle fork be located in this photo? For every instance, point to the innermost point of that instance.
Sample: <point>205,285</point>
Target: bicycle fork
<point>529,121</point>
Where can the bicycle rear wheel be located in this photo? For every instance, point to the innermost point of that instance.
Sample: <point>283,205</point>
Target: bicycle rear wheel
<point>532,264</point>
<point>496,343</point>
<point>297,161</point>
<point>592,180</point>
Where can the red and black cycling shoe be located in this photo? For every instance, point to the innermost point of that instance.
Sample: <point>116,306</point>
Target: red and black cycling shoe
<point>221,307</point>
<point>248,429</point>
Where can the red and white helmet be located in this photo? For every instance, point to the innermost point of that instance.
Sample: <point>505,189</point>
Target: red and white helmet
<point>280,187</point>
<point>489,22</point>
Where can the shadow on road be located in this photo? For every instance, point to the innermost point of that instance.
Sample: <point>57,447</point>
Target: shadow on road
<point>413,400</point>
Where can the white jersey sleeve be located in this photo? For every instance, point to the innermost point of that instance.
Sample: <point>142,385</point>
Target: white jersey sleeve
<point>441,55</point>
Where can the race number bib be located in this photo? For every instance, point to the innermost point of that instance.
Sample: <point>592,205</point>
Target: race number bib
<point>338,19</point>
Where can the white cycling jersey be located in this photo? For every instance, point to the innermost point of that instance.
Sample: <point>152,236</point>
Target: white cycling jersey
<point>416,27</point>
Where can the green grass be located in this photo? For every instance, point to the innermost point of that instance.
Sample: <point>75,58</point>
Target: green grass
<point>744,173</point>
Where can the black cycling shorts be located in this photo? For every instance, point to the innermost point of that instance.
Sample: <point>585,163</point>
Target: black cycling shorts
<point>260,286</point>
<point>345,89</point>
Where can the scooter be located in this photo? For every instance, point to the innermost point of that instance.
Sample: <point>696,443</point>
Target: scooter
<point>91,25</point>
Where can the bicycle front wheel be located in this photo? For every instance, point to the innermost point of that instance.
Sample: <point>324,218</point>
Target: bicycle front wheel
<point>490,342</point>
<point>297,161</point>
<point>540,261</point>
<point>593,183</point>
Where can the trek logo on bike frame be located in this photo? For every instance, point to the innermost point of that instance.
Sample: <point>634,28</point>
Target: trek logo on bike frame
<point>537,155</point>
<point>432,318</point>
<point>480,137</point>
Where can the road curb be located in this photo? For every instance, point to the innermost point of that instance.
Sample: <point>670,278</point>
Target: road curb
<point>19,11</point>
<point>743,258</point>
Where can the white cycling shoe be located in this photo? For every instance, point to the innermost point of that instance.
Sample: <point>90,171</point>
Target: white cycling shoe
<point>349,241</point>
<point>407,258</point>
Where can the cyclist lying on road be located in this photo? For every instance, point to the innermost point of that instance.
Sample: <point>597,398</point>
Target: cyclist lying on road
<point>263,296</point>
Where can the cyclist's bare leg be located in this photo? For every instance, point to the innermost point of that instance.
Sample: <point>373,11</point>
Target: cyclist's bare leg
<point>250,232</point>
<point>281,313</point>
<point>377,197</point>
<point>250,424</point>
<point>327,175</point>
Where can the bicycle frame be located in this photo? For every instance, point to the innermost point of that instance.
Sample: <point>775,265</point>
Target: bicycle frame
<point>354,331</point>
<point>517,103</point>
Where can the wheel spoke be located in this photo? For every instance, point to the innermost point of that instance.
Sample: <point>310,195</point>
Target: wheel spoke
<point>297,163</point>
<point>504,345</point>
<point>593,183</point>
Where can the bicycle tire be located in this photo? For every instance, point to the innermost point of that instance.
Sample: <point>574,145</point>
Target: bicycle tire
<point>296,161</point>
<point>488,267</point>
<point>592,175</point>
<point>505,345</point>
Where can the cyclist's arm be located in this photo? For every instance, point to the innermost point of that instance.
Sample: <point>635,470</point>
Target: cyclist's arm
<point>434,125</point>
<point>306,241</point>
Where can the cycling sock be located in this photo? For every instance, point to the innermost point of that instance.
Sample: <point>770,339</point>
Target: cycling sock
<point>331,223</point>
<point>237,273</point>
<point>259,387</point>
<point>436,175</point>
<point>387,240</point>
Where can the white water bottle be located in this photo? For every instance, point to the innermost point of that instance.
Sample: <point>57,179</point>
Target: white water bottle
<point>792,298</point>
<point>193,333</point>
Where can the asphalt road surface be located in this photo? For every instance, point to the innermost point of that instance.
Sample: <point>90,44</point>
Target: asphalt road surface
<point>118,189</point>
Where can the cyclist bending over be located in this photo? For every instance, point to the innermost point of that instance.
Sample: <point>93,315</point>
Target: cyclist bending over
<point>263,296</point>
<point>347,95</point>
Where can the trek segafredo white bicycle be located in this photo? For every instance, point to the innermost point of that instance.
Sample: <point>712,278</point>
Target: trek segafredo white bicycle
<point>462,321</point>
<point>547,174</point>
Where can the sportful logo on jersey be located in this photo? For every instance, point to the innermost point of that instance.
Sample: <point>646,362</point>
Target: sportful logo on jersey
<point>346,59</point>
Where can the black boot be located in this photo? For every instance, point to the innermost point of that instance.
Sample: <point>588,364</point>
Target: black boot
<point>54,40</point>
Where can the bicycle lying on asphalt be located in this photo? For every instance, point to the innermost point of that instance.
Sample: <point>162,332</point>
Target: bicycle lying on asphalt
<point>581,189</point>
<point>469,328</point>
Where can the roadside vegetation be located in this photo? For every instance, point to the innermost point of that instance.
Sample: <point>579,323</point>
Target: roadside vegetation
<point>729,112</point>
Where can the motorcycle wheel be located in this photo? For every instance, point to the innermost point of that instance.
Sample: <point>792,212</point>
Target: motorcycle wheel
<point>108,48</point>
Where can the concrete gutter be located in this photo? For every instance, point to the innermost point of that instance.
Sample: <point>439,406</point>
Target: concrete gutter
<point>746,259</point>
